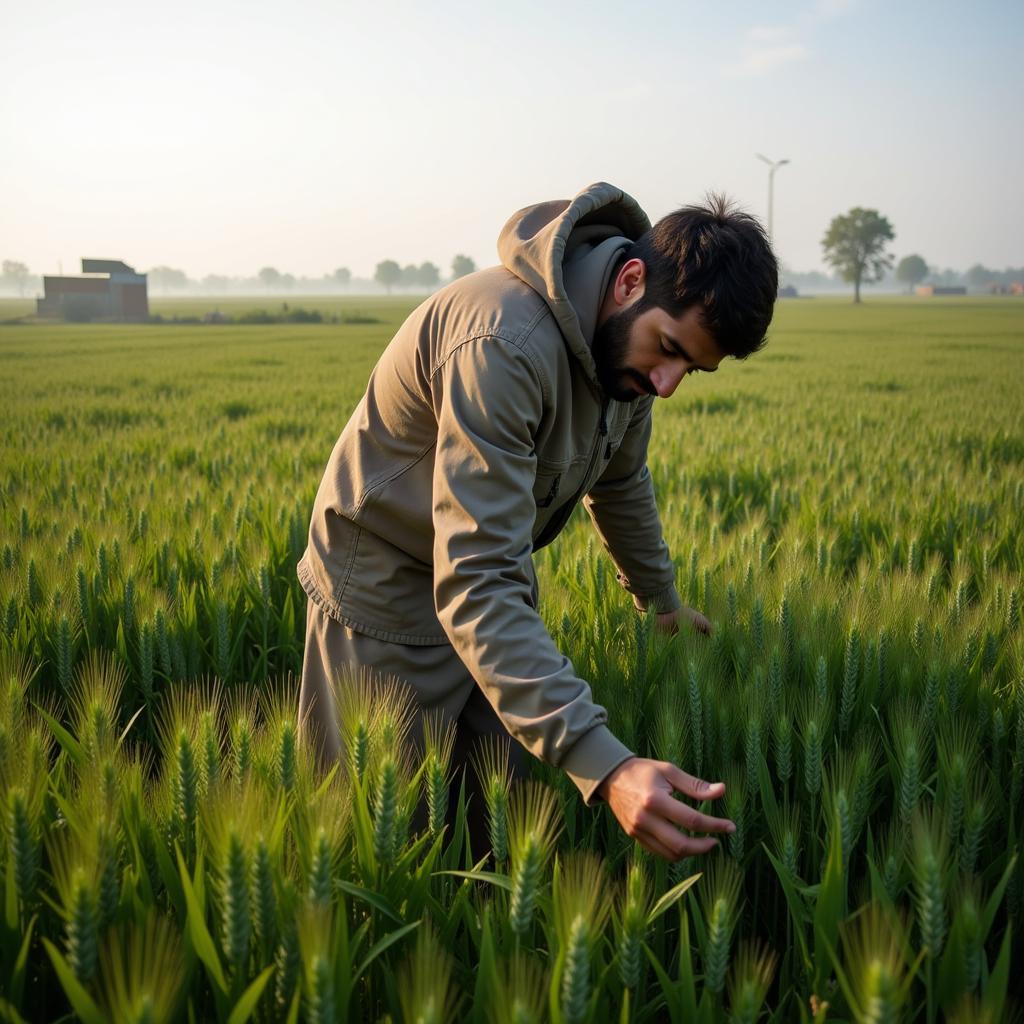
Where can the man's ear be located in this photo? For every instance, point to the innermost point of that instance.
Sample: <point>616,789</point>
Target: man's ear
<point>629,282</point>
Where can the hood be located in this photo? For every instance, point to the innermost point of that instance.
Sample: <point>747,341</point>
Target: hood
<point>566,249</point>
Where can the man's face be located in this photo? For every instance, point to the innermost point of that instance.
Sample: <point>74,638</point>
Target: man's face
<point>649,352</point>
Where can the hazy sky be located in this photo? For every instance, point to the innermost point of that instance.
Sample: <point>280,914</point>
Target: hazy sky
<point>220,136</point>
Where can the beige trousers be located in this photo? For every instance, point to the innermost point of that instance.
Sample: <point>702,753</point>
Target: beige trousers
<point>438,679</point>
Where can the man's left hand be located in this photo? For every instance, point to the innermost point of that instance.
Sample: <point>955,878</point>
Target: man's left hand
<point>670,622</point>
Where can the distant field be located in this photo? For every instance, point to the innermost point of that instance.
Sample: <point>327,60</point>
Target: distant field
<point>235,304</point>
<point>390,306</point>
<point>846,506</point>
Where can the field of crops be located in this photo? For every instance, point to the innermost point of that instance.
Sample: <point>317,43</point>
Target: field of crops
<point>846,506</point>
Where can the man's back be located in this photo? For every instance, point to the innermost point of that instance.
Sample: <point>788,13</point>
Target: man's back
<point>503,401</point>
<point>483,425</point>
<point>371,556</point>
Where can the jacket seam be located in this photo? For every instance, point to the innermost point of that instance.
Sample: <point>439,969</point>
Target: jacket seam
<point>332,609</point>
<point>385,480</point>
<point>350,559</point>
<point>518,340</point>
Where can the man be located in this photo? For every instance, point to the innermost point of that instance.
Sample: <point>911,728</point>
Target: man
<point>503,400</point>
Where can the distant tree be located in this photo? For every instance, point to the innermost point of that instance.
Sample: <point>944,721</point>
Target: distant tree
<point>948,276</point>
<point>981,277</point>
<point>287,280</point>
<point>911,270</point>
<point>16,274</point>
<point>167,279</point>
<point>270,277</point>
<point>216,284</point>
<point>388,273</point>
<point>854,244</point>
<point>408,278</point>
<point>428,276</point>
<point>462,265</point>
<point>342,276</point>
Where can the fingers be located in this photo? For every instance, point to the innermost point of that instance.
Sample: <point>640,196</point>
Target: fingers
<point>690,785</point>
<point>686,816</point>
<point>666,841</point>
<point>652,845</point>
<point>701,624</point>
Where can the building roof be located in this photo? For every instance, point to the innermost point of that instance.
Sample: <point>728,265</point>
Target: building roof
<point>90,266</point>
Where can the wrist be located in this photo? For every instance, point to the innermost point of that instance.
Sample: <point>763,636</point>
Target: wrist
<point>605,786</point>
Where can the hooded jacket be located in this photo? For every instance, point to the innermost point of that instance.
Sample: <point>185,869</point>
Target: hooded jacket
<point>482,426</point>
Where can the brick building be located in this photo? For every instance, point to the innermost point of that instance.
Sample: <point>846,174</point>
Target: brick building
<point>940,289</point>
<point>105,290</point>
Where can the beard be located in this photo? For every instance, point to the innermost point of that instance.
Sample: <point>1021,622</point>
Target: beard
<point>611,352</point>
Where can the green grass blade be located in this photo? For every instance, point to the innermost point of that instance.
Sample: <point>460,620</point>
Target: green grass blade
<point>17,982</point>
<point>81,1002</point>
<point>202,941</point>
<point>250,998</point>
<point>829,910</point>
<point>502,881</point>
<point>371,896</point>
<point>64,738</point>
<point>675,893</point>
<point>389,940</point>
<point>995,986</point>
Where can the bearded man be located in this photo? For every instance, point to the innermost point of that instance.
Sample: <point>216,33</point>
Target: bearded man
<point>505,399</point>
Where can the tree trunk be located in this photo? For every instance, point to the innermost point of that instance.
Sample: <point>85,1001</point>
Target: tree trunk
<point>856,288</point>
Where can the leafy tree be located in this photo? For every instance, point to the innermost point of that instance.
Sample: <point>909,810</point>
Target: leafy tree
<point>216,284</point>
<point>980,277</point>
<point>167,279</point>
<point>462,265</point>
<point>270,277</point>
<point>428,276</point>
<point>408,279</point>
<point>15,273</point>
<point>911,270</point>
<point>854,244</point>
<point>388,273</point>
<point>342,276</point>
<point>949,276</point>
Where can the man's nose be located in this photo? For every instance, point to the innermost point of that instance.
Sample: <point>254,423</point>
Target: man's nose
<point>666,378</point>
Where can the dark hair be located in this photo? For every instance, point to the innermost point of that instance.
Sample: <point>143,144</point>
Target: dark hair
<point>716,257</point>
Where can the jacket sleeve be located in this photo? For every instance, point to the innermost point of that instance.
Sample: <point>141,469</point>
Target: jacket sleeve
<point>622,507</point>
<point>488,400</point>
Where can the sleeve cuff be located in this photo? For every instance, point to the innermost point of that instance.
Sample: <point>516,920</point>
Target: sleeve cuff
<point>665,600</point>
<point>592,759</point>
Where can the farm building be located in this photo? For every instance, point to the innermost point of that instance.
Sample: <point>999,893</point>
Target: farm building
<point>106,289</point>
<point>938,289</point>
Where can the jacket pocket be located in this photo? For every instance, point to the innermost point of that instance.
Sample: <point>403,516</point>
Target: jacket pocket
<point>545,488</point>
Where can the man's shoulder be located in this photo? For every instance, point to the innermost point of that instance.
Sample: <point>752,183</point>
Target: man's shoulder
<point>491,297</point>
<point>495,304</point>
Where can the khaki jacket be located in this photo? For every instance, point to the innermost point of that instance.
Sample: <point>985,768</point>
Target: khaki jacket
<point>482,426</point>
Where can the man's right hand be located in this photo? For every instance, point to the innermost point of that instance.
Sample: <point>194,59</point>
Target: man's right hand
<point>639,792</point>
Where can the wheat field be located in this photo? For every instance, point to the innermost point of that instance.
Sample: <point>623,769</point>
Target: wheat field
<point>846,507</point>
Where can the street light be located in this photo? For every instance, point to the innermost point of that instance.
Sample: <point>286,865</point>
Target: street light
<point>774,165</point>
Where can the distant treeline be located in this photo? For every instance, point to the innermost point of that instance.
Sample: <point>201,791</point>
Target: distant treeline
<point>284,315</point>
<point>976,278</point>
<point>17,279</point>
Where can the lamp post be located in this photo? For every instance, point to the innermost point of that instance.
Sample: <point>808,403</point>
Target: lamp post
<point>774,165</point>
